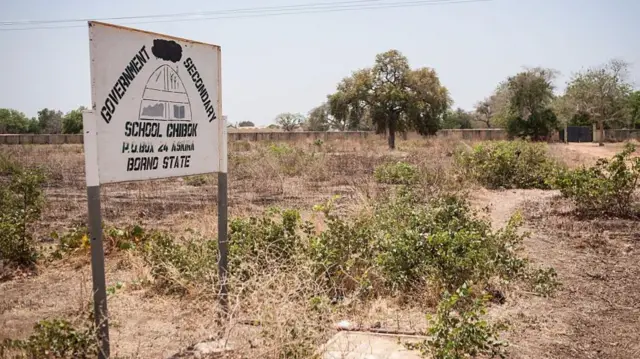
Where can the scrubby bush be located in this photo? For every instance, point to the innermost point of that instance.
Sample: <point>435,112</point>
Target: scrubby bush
<point>255,241</point>
<point>396,173</point>
<point>21,202</point>
<point>606,188</point>
<point>343,254</point>
<point>77,239</point>
<point>458,330</point>
<point>444,242</point>
<point>402,246</point>
<point>508,164</point>
<point>178,265</point>
<point>55,338</point>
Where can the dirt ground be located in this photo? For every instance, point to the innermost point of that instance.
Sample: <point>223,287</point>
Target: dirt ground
<point>585,153</point>
<point>595,314</point>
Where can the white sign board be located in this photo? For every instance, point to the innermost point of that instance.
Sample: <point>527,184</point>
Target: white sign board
<point>156,105</point>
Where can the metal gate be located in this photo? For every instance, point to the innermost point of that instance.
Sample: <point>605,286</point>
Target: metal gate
<point>578,134</point>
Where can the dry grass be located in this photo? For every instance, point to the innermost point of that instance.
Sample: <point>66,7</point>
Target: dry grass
<point>282,312</point>
<point>293,311</point>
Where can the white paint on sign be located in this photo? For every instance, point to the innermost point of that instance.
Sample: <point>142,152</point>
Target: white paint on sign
<point>156,103</point>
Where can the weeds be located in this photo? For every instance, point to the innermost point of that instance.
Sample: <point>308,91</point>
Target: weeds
<point>55,338</point>
<point>21,202</point>
<point>179,266</point>
<point>197,180</point>
<point>543,281</point>
<point>401,246</point>
<point>396,173</point>
<point>76,239</point>
<point>508,164</point>
<point>458,331</point>
<point>606,188</point>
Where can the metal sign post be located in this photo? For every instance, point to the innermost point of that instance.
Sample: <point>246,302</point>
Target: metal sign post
<point>95,231</point>
<point>156,113</point>
<point>223,245</point>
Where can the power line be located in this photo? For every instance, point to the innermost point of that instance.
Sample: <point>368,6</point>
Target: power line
<point>197,13</point>
<point>255,12</point>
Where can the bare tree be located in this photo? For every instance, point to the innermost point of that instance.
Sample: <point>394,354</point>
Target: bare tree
<point>289,121</point>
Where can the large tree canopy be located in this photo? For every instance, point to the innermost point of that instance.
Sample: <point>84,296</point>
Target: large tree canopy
<point>634,109</point>
<point>601,92</point>
<point>530,113</point>
<point>458,119</point>
<point>50,121</point>
<point>13,121</point>
<point>392,96</point>
<point>72,121</point>
<point>493,110</point>
<point>318,119</point>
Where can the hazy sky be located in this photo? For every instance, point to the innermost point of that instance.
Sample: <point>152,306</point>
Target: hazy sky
<point>290,63</point>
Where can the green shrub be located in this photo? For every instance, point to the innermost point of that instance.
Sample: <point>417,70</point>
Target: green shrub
<point>77,239</point>
<point>343,254</point>
<point>71,241</point>
<point>401,246</point>
<point>279,149</point>
<point>444,242</point>
<point>53,339</point>
<point>179,264</point>
<point>396,173</point>
<point>254,242</point>
<point>458,330</point>
<point>21,202</point>
<point>605,188</point>
<point>508,164</point>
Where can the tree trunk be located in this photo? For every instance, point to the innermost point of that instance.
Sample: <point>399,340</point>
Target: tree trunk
<point>392,132</point>
<point>601,136</point>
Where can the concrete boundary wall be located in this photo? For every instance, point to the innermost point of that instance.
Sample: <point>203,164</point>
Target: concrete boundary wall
<point>254,136</point>
<point>476,134</point>
<point>620,135</point>
<point>39,139</point>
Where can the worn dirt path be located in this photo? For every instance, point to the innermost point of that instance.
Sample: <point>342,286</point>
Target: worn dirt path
<point>596,313</point>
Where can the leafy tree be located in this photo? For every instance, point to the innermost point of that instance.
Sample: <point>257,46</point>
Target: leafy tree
<point>458,119</point>
<point>289,121</point>
<point>318,119</point>
<point>72,121</point>
<point>50,121</point>
<point>13,121</point>
<point>492,111</point>
<point>601,92</point>
<point>634,109</point>
<point>246,124</point>
<point>348,106</point>
<point>530,104</point>
<point>273,127</point>
<point>394,97</point>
